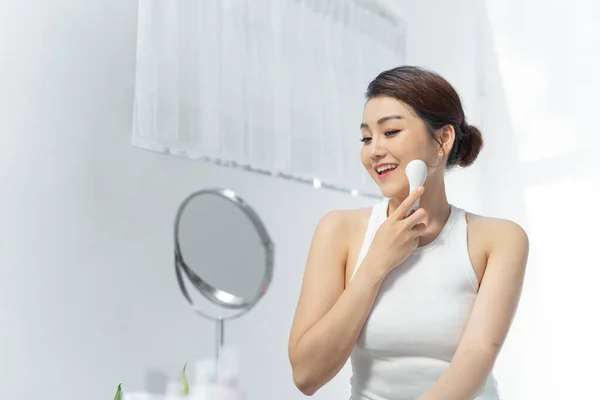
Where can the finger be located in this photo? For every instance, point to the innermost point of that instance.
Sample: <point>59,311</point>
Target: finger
<point>418,229</point>
<point>416,218</point>
<point>400,212</point>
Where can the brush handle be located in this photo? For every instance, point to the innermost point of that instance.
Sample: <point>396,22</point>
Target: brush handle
<point>413,208</point>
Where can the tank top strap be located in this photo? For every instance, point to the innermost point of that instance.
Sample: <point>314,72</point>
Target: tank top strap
<point>461,244</point>
<point>378,216</point>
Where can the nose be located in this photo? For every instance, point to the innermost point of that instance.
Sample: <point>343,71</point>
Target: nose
<point>377,150</point>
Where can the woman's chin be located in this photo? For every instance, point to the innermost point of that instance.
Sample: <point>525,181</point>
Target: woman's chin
<point>390,190</point>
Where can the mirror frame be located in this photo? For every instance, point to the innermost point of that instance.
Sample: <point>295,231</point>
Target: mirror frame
<point>215,295</point>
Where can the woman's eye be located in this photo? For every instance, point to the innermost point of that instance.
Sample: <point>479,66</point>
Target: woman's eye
<point>387,133</point>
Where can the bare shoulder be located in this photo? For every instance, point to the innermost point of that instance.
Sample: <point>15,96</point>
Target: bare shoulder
<point>357,217</point>
<point>340,227</point>
<point>494,233</point>
<point>348,228</point>
<point>343,221</point>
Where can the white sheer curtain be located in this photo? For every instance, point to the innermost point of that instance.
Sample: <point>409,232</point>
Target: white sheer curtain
<point>277,85</point>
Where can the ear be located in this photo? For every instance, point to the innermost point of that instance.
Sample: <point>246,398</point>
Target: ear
<point>446,137</point>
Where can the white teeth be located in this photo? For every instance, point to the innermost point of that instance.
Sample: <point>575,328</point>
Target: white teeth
<point>386,167</point>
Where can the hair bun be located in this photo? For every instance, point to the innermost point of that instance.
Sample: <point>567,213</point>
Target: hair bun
<point>469,146</point>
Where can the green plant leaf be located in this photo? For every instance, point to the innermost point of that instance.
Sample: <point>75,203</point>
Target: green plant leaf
<point>184,381</point>
<point>119,394</point>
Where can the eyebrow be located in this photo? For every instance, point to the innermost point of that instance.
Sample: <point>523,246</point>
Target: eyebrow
<point>381,120</point>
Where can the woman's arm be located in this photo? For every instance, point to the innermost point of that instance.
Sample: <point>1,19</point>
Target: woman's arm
<point>328,318</point>
<point>491,316</point>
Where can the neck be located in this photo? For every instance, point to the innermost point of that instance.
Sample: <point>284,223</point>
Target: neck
<point>435,202</point>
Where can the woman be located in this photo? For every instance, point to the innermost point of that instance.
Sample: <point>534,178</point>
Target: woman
<point>421,304</point>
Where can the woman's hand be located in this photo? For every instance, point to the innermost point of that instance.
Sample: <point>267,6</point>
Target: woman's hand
<point>398,236</point>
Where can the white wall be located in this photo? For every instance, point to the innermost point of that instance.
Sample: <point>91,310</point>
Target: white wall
<point>542,102</point>
<point>88,297</point>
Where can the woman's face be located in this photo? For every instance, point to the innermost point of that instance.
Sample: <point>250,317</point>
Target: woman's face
<point>393,135</point>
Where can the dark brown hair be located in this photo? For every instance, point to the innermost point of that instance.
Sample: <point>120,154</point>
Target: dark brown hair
<point>436,102</point>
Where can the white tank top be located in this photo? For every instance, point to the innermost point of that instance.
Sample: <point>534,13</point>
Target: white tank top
<point>418,316</point>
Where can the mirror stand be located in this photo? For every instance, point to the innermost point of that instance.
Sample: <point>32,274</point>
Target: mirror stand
<point>220,341</point>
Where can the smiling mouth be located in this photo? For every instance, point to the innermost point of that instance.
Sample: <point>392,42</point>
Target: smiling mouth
<point>385,169</point>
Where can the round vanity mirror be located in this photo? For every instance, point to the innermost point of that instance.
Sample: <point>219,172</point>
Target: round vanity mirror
<point>225,254</point>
